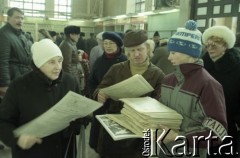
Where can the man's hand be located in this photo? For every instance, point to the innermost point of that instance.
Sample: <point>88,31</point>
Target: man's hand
<point>102,97</point>
<point>27,141</point>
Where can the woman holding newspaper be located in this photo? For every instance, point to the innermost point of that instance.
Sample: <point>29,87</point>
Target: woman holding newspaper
<point>139,50</point>
<point>193,93</point>
<point>30,96</point>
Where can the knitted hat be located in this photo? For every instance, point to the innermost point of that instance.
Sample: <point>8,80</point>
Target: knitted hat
<point>221,32</point>
<point>135,38</point>
<point>113,37</point>
<point>72,29</point>
<point>43,51</point>
<point>187,40</point>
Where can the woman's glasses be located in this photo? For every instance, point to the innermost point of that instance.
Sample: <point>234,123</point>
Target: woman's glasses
<point>212,45</point>
<point>109,43</point>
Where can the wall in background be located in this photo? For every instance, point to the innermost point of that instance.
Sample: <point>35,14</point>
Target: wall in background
<point>165,24</point>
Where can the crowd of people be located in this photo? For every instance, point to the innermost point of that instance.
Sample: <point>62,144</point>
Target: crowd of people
<point>196,74</point>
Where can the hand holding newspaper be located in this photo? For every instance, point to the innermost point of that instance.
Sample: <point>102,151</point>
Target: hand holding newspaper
<point>134,86</point>
<point>69,108</point>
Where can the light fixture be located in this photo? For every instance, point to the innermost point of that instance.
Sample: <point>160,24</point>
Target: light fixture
<point>56,19</point>
<point>168,11</point>
<point>120,16</point>
<point>145,13</point>
<point>97,20</point>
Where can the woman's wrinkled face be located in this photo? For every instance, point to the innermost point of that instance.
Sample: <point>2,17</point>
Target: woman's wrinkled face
<point>216,48</point>
<point>178,58</point>
<point>109,46</point>
<point>52,67</point>
<point>138,54</point>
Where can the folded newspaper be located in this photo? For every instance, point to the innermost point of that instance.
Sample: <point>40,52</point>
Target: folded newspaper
<point>139,114</point>
<point>69,108</point>
<point>134,86</point>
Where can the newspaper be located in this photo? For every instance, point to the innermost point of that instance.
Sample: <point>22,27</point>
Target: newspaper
<point>143,113</point>
<point>116,131</point>
<point>134,86</point>
<point>69,108</point>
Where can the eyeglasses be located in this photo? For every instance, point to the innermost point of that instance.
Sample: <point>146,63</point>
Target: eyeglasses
<point>212,45</point>
<point>109,43</point>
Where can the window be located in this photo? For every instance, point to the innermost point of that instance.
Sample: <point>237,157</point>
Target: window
<point>29,7</point>
<point>140,6</point>
<point>62,9</point>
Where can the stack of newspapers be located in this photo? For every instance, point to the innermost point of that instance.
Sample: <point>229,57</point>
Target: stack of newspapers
<point>144,113</point>
<point>139,113</point>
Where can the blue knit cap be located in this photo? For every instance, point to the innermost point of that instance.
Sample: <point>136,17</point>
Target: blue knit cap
<point>187,40</point>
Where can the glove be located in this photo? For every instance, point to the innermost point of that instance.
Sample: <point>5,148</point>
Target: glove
<point>76,124</point>
<point>27,141</point>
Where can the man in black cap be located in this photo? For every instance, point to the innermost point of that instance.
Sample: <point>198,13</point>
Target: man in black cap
<point>156,39</point>
<point>71,55</point>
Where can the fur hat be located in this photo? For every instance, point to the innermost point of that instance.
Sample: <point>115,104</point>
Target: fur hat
<point>72,29</point>
<point>43,51</point>
<point>135,38</point>
<point>113,37</point>
<point>222,32</point>
<point>187,40</point>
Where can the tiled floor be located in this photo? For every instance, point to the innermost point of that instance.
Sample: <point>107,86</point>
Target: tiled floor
<point>90,153</point>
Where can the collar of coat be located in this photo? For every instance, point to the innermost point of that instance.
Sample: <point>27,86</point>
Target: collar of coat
<point>185,69</point>
<point>45,79</point>
<point>17,32</point>
<point>229,61</point>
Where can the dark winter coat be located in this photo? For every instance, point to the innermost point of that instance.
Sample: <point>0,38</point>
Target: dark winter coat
<point>226,71</point>
<point>100,140</point>
<point>15,56</point>
<point>26,98</point>
<point>100,67</point>
<point>90,43</point>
